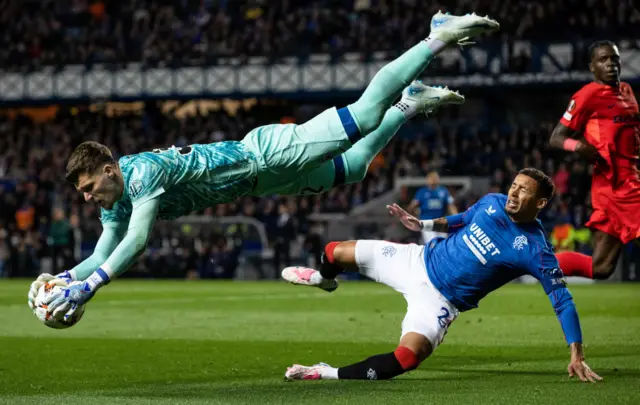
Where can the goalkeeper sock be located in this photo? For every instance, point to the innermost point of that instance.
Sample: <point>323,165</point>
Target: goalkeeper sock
<point>352,166</point>
<point>575,264</point>
<point>387,85</point>
<point>382,366</point>
<point>328,268</point>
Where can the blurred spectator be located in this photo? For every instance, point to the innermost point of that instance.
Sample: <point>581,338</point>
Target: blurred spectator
<point>285,232</point>
<point>60,242</point>
<point>33,155</point>
<point>172,33</point>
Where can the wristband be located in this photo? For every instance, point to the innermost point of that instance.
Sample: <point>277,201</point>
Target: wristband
<point>427,225</point>
<point>570,144</point>
<point>97,279</point>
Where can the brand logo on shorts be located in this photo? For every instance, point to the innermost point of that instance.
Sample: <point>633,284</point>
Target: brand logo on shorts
<point>388,251</point>
<point>519,242</point>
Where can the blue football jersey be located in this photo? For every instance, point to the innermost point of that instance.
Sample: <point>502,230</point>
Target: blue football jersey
<point>487,251</point>
<point>433,202</point>
<point>185,179</point>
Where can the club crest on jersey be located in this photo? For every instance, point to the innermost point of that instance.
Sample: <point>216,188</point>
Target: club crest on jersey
<point>135,188</point>
<point>388,251</point>
<point>519,242</point>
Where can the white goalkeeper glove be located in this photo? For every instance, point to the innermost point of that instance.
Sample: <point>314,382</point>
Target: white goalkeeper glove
<point>44,278</point>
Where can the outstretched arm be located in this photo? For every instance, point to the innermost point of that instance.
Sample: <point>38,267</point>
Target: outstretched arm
<point>141,224</point>
<point>570,322</point>
<point>414,224</point>
<point>450,224</point>
<point>112,235</point>
<point>132,245</point>
<point>544,266</point>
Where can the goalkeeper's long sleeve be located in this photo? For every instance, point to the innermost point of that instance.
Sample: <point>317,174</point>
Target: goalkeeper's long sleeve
<point>112,234</point>
<point>141,223</point>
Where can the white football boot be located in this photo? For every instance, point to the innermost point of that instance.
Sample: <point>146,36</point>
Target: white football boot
<point>306,276</point>
<point>420,98</point>
<point>298,372</point>
<point>453,29</point>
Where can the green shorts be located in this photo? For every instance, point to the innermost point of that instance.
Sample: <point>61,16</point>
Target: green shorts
<point>287,153</point>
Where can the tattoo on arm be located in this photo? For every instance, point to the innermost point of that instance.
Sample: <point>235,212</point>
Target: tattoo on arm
<point>440,225</point>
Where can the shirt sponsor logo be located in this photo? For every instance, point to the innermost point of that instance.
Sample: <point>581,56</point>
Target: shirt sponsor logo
<point>479,243</point>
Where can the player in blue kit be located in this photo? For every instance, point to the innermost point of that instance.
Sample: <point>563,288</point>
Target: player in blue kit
<point>432,201</point>
<point>495,241</point>
<point>333,148</point>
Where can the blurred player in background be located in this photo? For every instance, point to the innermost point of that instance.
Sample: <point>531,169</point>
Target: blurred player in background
<point>605,113</point>
<point>495,241</point>
<point>431,202</point>
<point>273,159</point>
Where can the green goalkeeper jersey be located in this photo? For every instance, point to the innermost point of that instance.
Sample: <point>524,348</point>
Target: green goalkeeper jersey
<point>185,179</point>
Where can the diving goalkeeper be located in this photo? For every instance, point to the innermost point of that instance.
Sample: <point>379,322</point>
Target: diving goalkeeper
<point>274,159</point>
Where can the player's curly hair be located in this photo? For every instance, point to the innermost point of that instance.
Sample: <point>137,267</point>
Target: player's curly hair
<point>546,188</point>
<point>86,159</point>
<point>598,44</point>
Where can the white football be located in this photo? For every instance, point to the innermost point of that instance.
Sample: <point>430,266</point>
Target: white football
<point>41,311</point>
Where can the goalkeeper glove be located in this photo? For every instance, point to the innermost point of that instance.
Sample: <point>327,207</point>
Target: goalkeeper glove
<point>67,301</point>
<point>44,278</point>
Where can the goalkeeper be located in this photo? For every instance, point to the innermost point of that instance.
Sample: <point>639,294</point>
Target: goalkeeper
<point>274,159</point>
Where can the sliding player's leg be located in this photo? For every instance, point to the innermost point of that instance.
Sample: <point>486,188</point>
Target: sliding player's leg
<point>401,267</point>
<point>284,151</point>
<point>351,166</point>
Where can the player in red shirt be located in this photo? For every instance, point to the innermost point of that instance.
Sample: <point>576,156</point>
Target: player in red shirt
<point>605,113</point>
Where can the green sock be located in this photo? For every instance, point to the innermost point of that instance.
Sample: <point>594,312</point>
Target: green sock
<point>387,85</point>
<point>358,158</point>
<point>352,165</point>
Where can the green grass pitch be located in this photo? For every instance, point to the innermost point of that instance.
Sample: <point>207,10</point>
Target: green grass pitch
<point>163,342</point>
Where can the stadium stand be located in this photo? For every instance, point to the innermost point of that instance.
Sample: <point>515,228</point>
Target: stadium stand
<point>42,218</point>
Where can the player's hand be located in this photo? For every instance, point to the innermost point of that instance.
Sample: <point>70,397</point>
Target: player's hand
<point>588,151</point>
<point>581,369</point>
<point>35,286</point>
<point>42,280</point>
<point>409,221</point>
<point>66,276</point>
<point>68,299</point>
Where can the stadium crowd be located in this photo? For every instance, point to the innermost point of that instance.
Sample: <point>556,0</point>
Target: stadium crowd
<point>195,32</point>
<point>45,225</point>
<point>43,217</point>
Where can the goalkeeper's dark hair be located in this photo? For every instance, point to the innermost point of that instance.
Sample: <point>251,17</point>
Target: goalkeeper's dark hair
<point>546,188</point>
<point>599,44</point>
<point>86,159</point>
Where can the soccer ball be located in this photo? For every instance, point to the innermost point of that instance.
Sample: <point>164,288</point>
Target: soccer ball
<point>44,293</point>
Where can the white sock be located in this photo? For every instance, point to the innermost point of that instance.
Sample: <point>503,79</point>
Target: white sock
<point>435,45</point>
<point>329,373</point>
<point>409,110</point>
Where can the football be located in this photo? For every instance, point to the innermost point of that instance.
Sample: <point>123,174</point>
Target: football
<point>41,311</point>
